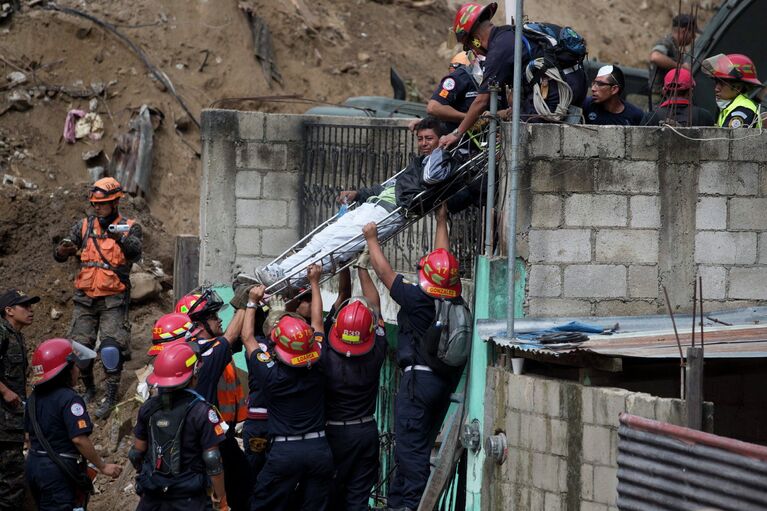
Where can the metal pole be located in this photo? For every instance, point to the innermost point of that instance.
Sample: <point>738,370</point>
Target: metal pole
<point>491,158</point>
<point>512,191</point>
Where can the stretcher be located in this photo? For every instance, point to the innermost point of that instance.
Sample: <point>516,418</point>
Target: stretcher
<point>471,168</point>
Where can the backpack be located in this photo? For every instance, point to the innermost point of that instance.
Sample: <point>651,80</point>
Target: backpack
<point>447,342</point>
<point>561,47</point>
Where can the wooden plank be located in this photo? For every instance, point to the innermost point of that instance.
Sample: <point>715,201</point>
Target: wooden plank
<point>186,265</point>
<point>694,394</point>
<point>449,454</point>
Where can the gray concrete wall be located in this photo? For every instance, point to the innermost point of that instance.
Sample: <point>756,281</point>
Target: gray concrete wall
<point>612,214</point>
<point>562,440</point>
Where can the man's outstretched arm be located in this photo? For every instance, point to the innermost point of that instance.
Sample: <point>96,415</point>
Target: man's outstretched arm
<point>383,269</point>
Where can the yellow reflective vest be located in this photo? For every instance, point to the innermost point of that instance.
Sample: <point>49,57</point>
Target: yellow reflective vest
<point>739,101</point>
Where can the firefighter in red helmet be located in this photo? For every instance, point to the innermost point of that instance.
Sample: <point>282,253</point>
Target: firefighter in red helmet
<point>59,426</point>
<point>107,244</point>
<point>734,79</point>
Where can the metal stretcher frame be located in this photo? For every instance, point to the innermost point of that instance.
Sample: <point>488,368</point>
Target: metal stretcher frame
<point>411,215</point>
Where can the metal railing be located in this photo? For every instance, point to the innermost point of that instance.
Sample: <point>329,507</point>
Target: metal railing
<point>348,157</point>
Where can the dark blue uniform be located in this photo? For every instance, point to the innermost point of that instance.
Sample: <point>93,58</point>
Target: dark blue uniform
<point>203,429</point>
<point>594,113</point>
<point>457,90</point>
<point>62,416</point>
<point>499,68</point>
<point>422,399</point>
<point>254,431</point>
<point>299,452</point>
<point>215,356</point>
<point>351,390</point>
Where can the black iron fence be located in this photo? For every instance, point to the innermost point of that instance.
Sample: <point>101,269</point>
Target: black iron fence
<point>348,157</point>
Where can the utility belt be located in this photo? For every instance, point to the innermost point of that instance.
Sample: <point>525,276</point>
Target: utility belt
<point>294,438</point>
<point>570,70</point>
<point>75,457</point>
<point>361,420</point>
<point>258,413</point>
<point>388,206</point>
<point>417,368</point>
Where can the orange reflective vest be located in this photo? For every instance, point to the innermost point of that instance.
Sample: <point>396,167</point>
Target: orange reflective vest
<point>232,400</point>
<point>97,277</point>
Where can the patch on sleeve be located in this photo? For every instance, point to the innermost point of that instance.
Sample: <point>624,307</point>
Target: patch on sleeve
<point>407,282</point>
<point>444,93</point>
<point>263,357</point>
<point>213,416</point>
<point>77,409</point>
<point>218,429</point>
<point>263,347</point>
<point>448,84</point>
<point>81,424</point>
<point>735,122</point>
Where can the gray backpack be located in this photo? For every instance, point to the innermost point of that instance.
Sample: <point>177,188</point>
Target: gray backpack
<point>447,342</point>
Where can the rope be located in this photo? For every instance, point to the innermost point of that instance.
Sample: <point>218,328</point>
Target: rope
<point>565,92</point>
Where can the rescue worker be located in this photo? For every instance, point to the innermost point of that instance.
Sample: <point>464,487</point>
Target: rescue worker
<point>219,384</point>
<point>424,395</point>
<point>677,108</point>
<point>171,327</point>
<point>15,315</point>
<point>59,426</point>
<point>670,52</point>
<point>293,390</point>
<point>357,338</point>
<point>456,91</point>
<point>102,294</point>
<point>735,78</point>
<point>177,437</point>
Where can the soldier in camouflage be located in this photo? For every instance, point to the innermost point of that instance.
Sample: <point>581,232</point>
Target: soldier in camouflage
<point>15,314</point>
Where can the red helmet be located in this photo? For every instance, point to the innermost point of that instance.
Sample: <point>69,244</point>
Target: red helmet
<point>468,16</point>
<point>199,306</point>
<point>438,274</point>
<point>732,67</point>
<point>105,190</point>
<point>170,327</point>
<point>294,342</point>
<point>353,331</point>
<point>53,355</point>
<point>174,366</point>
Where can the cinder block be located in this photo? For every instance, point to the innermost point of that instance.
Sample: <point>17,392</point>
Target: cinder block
<point>520,393</point>
<point>593,141</point>
<point>592,506</point>
<point>645,212</point>
<point>728,178</point>
<point>512,427</point>
<point>588,398</point>
<point>249,264</point>
<point>671,410</point>
<point>717,149</point>
<point>247,184</point>
<point>606,485</point>
<point>749,148</point>
<point>763,248</point>
<point>558,437</point>
<point>587,481</point>
<point>748,214</point>
<point>546,397</point>
<point>625,308</point>
<point>545,140</point>
<point>247,241</point>
<point>552,502</point>
<point>294,213</point>
<point>560,246</point>
<point>558,307</point>
<point>545,280</point>
<point>537,499</point>
<point>565,176</point>
<point>545,471</point>
<point>641,404</point>
<point>627,176</point>
<point>596,210</point>
<point>261,156</point>
<point>281,185</point>
<point>547,211</point>
<point>725,247</point>
<point>532,432</point>
<point>609,405</point>
<point>252,125</point>
<point>261,213</point>
<point>627,246</point>
<point>284,128</point>
<point>748,283</point>
<point>642,143</point>
<point>596,444</point>
<point>595,281</point>
<point>711,213</point>
<point>275,241</point>
<point>714,282</point>
<point>643,281</point>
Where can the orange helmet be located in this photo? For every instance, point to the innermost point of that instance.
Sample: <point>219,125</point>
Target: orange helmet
<point>168,328</point>
<point>54,355</point>
<point>105,190</point>
<point>466,19</point>
<point>438,274</point>
<point>732,67</point>
<point>460,59</point>
<point>294,342</point>
<point>353,330</point>
<point>174,367</point>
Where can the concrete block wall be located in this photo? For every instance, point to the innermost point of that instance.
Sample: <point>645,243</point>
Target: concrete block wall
<point>562,440</point>
<point>616,213</point>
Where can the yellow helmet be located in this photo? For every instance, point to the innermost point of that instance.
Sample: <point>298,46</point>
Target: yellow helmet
<point>460,59</point>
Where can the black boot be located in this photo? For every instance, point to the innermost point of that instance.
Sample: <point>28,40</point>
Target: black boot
<point>103,411</point>
<point>90,386</point>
